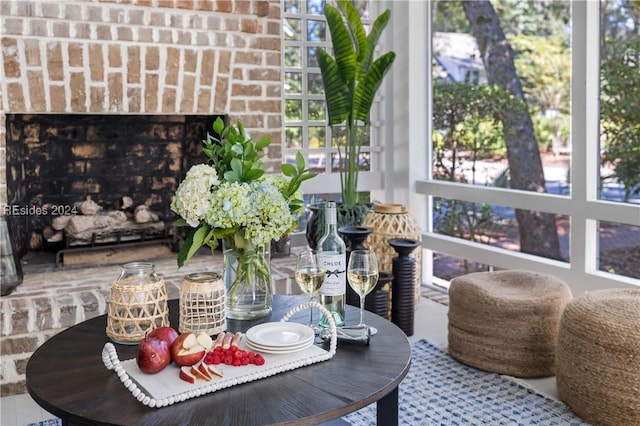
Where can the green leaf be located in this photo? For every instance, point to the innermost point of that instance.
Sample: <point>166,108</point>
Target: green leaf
<point>288,170</point>
<point>366,90</point>
<point>308,176</point>
<point>253,174</point>
<point>237,148</point>
<point>237,166</point>
<point>218,126</point>
<point>336,91</point>
<point>192,244</point>
<point>249,150</point>
<point>355,26</point>
<point>231,176</point>
<point>343,50</point>
<point>300,161</point>
<point>372,40</point>
<point>263,143</point>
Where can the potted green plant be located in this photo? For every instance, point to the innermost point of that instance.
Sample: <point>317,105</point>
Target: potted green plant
<point>351,79</point>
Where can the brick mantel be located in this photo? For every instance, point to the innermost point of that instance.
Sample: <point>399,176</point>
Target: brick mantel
<point>143,57</point>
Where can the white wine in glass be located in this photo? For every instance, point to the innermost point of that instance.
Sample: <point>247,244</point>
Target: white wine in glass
<point>309,276</point>
<point>362,274</point>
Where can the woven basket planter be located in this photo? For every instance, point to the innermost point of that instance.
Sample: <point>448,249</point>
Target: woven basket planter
<point>202,303</point>
<point>506,321</point>
<point>598,356</point>
<point>394,221</point>
<point>136,308</point>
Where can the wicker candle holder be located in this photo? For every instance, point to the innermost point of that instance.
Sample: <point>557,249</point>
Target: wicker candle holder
<point>202,303</point>
<point>137,304</point>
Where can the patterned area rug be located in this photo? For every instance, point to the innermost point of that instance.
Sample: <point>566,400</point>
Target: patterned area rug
<point>50,422</point>
<point>438,390</point>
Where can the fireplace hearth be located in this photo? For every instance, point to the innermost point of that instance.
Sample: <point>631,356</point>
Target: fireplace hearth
<point>57,164</point>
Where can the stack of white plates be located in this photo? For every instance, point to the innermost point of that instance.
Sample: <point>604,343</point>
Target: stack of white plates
<point>279,337</point>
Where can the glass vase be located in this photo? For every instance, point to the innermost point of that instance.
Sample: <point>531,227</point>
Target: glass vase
<point>247,277</point>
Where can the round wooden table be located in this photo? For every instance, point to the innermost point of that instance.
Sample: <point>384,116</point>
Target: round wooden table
<point>66,376</point>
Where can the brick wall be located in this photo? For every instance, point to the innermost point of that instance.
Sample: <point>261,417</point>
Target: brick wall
<point>161,57</point>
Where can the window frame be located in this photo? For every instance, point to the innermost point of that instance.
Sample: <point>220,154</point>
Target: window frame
<point>583,207</point>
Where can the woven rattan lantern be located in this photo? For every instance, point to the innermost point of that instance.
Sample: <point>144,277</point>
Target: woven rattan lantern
<point>137,304</point>
<point>394,221</point>
<point>202,303</point>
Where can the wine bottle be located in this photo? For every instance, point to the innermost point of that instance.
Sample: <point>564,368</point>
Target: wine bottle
<point>332,256</point>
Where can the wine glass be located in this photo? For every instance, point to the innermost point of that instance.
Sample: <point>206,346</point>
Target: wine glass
<point>309,276</point>
<point>362,273</point>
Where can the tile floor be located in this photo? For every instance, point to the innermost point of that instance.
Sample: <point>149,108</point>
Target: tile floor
<point>430,324</point>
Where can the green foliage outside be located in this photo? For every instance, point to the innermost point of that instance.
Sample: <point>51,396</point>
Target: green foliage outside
<point>620,111</point>
<point>539,34</point>
<point>466,119</point>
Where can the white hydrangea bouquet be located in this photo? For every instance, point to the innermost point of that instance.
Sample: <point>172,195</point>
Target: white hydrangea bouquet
<point>229,198</point>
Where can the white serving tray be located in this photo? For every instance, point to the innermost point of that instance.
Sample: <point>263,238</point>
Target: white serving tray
<point>166,388</point>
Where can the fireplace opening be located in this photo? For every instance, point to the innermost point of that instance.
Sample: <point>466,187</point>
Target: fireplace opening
<point>84,182</point>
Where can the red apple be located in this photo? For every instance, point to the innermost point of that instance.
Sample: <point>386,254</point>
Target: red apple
<point>153,355</point>
<point>186,351</point>
<point>168,334</point>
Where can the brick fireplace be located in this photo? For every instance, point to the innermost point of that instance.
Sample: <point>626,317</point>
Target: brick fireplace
<point>166,63</point>
<point>56,161</point>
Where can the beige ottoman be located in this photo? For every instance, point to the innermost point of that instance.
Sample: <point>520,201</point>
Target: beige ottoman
<point>506,321</point>
<point>598,356</point>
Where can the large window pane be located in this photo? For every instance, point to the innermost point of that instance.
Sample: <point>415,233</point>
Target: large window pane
<point>489,224</point>
<point>501,117</point>
<point>619,249</point>
<point>620,101</point>
<point>472,118</point>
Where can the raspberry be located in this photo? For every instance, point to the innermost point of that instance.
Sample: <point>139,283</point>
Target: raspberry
<point>237,362</point>
<point>228,360</point>
<point>216,360</point>
<point>258,360</point>
<point>245,361</point>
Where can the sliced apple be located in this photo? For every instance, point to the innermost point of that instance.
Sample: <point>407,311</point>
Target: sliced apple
<point>188,357</point>
<point>214,371</point>
<point>185,374</point>
<point>195,370</point>
<point>205,340</point>
<point>190,341</point>
<point>202,368</point>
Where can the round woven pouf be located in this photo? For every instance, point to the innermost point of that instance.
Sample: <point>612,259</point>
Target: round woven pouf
<point>506,321</point>
<point>598,356</point>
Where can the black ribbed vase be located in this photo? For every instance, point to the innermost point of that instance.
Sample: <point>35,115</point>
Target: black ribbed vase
<point>354,237</point>
<point>378,300</point>
<point>402,290</point>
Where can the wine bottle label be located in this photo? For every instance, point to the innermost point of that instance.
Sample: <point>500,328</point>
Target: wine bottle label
<point>335,282</point>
